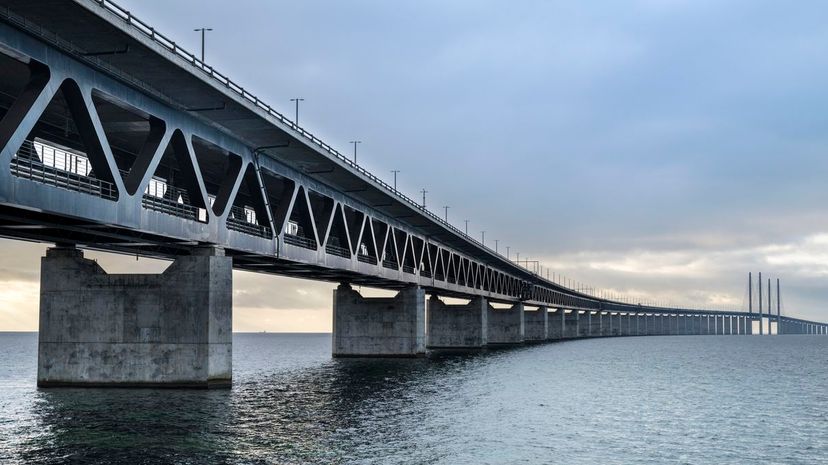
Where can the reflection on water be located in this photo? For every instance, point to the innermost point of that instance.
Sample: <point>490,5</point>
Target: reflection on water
<point>629,400</point>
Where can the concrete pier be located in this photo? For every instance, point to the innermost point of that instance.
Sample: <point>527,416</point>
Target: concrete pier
<point>536,325</point>
<point>570,324</point>
<point>556,324</point>
<point>378,326</point>
<point>457,326</point>
<point>594,324</point>
<point>172,329</point>
<point>506,325</point>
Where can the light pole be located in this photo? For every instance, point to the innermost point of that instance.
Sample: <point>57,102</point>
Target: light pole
<point>296,118</point>
<point>467,227</point>
<point>203,30</point>
<point>507,252</point>
<point>446,207</point>
<point>395,178</point>
<point>424,193</point>
<point>483,237</point>
<point>355,142</point>
<point>496,241</point>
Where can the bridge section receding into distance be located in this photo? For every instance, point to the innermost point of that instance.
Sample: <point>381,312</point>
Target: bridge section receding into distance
<point>115,138</point>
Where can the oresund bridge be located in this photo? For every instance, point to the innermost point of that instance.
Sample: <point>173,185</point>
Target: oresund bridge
<point>115,138</point>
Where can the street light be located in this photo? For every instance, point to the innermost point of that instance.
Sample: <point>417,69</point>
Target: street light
<point>467,227</point>
<point>297,100</point>
<point>507,252</point>
<point>446,207</point>
<point>424,193</point>
<point>496,241</point>
<point>395,178</point>
<point>355,142</point>
<point>202,30</point>
<point>483,237</point>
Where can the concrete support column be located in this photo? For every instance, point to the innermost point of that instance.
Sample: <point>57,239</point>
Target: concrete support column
<point>457,326</point>
<point>727,321</point>
<point>649,325</point>
<point>506,325</point>
<point>378,326</point>
<point>719,325</point>
<point>536,325</point>
<point>556,324</point>
<point>172,329</point>
<point>748,325</point>
<point>584,324</point>
<point>571,324</point>
<point>626,321</point>
<point>594,324</point>
<point>606,324</point>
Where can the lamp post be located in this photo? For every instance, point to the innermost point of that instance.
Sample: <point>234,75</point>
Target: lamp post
<point>203,30</point>
<point>296,118</point>
<point>355,142</point>
<point>483,237</point>
<point>467,226</point>
<point>446,207</point>
<point>395,178</point>
<point>496,241</point>
<point>424,193</point>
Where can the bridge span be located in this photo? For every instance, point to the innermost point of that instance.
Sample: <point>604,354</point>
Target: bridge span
<point>113,137</point>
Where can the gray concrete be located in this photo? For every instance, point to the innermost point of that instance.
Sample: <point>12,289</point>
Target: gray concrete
<point>584,324</point>
<point>506,325</point>
<point>594,324</point>
<point>556,324</point>
<point>457,326</point>
<point>378,327</point>
<point>172,329</point>
<point>536,325</point>
<point>571,324</point>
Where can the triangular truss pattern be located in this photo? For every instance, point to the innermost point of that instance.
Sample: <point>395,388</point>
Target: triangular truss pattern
<point>64,148</point>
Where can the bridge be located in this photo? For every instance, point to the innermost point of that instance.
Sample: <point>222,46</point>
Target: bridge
<point>115,138</point>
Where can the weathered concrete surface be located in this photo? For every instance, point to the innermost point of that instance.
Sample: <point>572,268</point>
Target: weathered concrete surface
<point>556,324</point>
<point>606,324</point>
<point>536,325</point>
<point>571,325</point>
<point>457,326</point>
<point>583,324</point>
<point>506,325</point>
<point>378,326</point>
<point>168,330</point>
<point>594,321</point>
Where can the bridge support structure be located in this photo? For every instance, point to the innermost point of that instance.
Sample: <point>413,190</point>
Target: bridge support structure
<point>378,326</point>
<point>570,324</point>
<point>506,325</point>
<point>172,329</point>
<point>556,321</point>
<point>457,326</point>
<point>536,325</point>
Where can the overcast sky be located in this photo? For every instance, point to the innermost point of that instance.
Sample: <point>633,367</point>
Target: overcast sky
<point>659,148</point>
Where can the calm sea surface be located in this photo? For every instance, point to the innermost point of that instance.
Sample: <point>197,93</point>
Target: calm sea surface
<point>648,400</point>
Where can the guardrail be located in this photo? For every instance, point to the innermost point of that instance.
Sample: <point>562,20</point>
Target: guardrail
<point>337,250</point>
<point>300,241</point>
<point>26,164</point>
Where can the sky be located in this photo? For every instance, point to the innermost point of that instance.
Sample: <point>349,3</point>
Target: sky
<point>654,148</point>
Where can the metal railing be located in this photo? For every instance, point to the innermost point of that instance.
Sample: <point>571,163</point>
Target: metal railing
<point>337,250</point>
<point>26,164</point>
<point>367,259</point>
<point>237,221</point>
<point>300,241</point>
<point>390,264</point>
<point>408,269</point>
